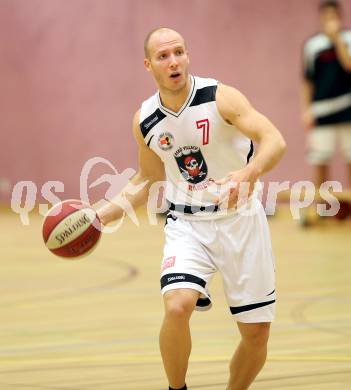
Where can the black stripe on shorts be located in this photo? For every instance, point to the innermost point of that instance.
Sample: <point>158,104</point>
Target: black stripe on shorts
<point>241,309</point>
<point>203,302</point>
<point>180,277</point>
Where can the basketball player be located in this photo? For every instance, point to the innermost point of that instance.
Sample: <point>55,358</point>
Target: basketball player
<point>197,133</point>
<point>326,87</point>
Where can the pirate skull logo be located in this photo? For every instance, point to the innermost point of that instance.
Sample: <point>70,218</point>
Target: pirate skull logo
<point>191,164</point>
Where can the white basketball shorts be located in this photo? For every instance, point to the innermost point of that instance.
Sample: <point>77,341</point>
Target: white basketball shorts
<point>322,142</point>
<point>237,246</point>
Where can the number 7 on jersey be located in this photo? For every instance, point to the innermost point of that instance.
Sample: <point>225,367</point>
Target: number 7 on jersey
<point>204,124</point>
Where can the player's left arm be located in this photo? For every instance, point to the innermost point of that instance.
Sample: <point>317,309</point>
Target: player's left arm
<point>332,28</point>
<point>343,53</point>
<point>237,110</point>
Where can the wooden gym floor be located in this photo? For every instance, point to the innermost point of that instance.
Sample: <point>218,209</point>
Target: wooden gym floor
<point>93,323</point>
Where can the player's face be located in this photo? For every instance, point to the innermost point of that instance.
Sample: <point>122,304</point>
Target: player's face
<point>168,60</point>
<point>329,14</point>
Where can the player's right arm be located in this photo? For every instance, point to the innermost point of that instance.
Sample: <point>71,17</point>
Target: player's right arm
<point>307,85</point>
<point>150,170</point>
<point>307,91</point>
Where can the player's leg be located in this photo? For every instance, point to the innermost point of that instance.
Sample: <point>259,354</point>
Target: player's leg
<point>175,339</point>
<point>321,146</point>
<point>185,273</point>
<point>250,355</point>
<point>345,141</point>
<point>320,174</point>
<point>247,269</point>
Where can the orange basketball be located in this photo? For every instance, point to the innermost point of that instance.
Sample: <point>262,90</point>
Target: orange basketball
<point>71,229</point>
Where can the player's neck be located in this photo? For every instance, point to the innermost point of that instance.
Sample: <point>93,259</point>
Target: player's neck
<point>174,100</point>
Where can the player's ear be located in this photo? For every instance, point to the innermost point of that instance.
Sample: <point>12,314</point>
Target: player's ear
<point>147,64</point>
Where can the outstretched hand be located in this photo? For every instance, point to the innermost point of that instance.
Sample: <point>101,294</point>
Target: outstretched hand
<point>236,188</point>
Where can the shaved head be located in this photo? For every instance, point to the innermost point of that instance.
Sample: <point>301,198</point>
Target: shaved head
<point>157,32</point>
<point>167,59</point>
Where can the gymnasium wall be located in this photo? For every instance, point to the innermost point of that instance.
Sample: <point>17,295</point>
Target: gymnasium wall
<point>71,76</point>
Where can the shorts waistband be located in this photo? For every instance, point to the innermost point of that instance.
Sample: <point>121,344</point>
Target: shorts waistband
<point>186,209</point>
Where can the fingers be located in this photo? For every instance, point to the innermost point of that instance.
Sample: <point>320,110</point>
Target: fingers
<point>233,194</point>
<point>222,181</point>
<point>234,190</point>
<point>233,198</point>
<point>228,193</point>
<point>224,186</point>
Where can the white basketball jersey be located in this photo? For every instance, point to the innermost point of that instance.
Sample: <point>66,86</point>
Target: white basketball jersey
<point>196,146</point>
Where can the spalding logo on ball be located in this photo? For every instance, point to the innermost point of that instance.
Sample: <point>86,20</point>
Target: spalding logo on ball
<point>71,229</point>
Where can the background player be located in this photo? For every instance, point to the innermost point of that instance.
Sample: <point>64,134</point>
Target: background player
<point>219,142</point>
<point>327,91</point>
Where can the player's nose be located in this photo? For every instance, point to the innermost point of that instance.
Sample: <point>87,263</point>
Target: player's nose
<point>173,61</point>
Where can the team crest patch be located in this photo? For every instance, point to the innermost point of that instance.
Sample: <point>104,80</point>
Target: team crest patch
<point>165,141</point>
<point>191,164</point>
<point>168,262</point>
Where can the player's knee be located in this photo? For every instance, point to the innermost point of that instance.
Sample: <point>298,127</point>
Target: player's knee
<point>179,308</point>
<point>257,336</point>
<point>176,313</point>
